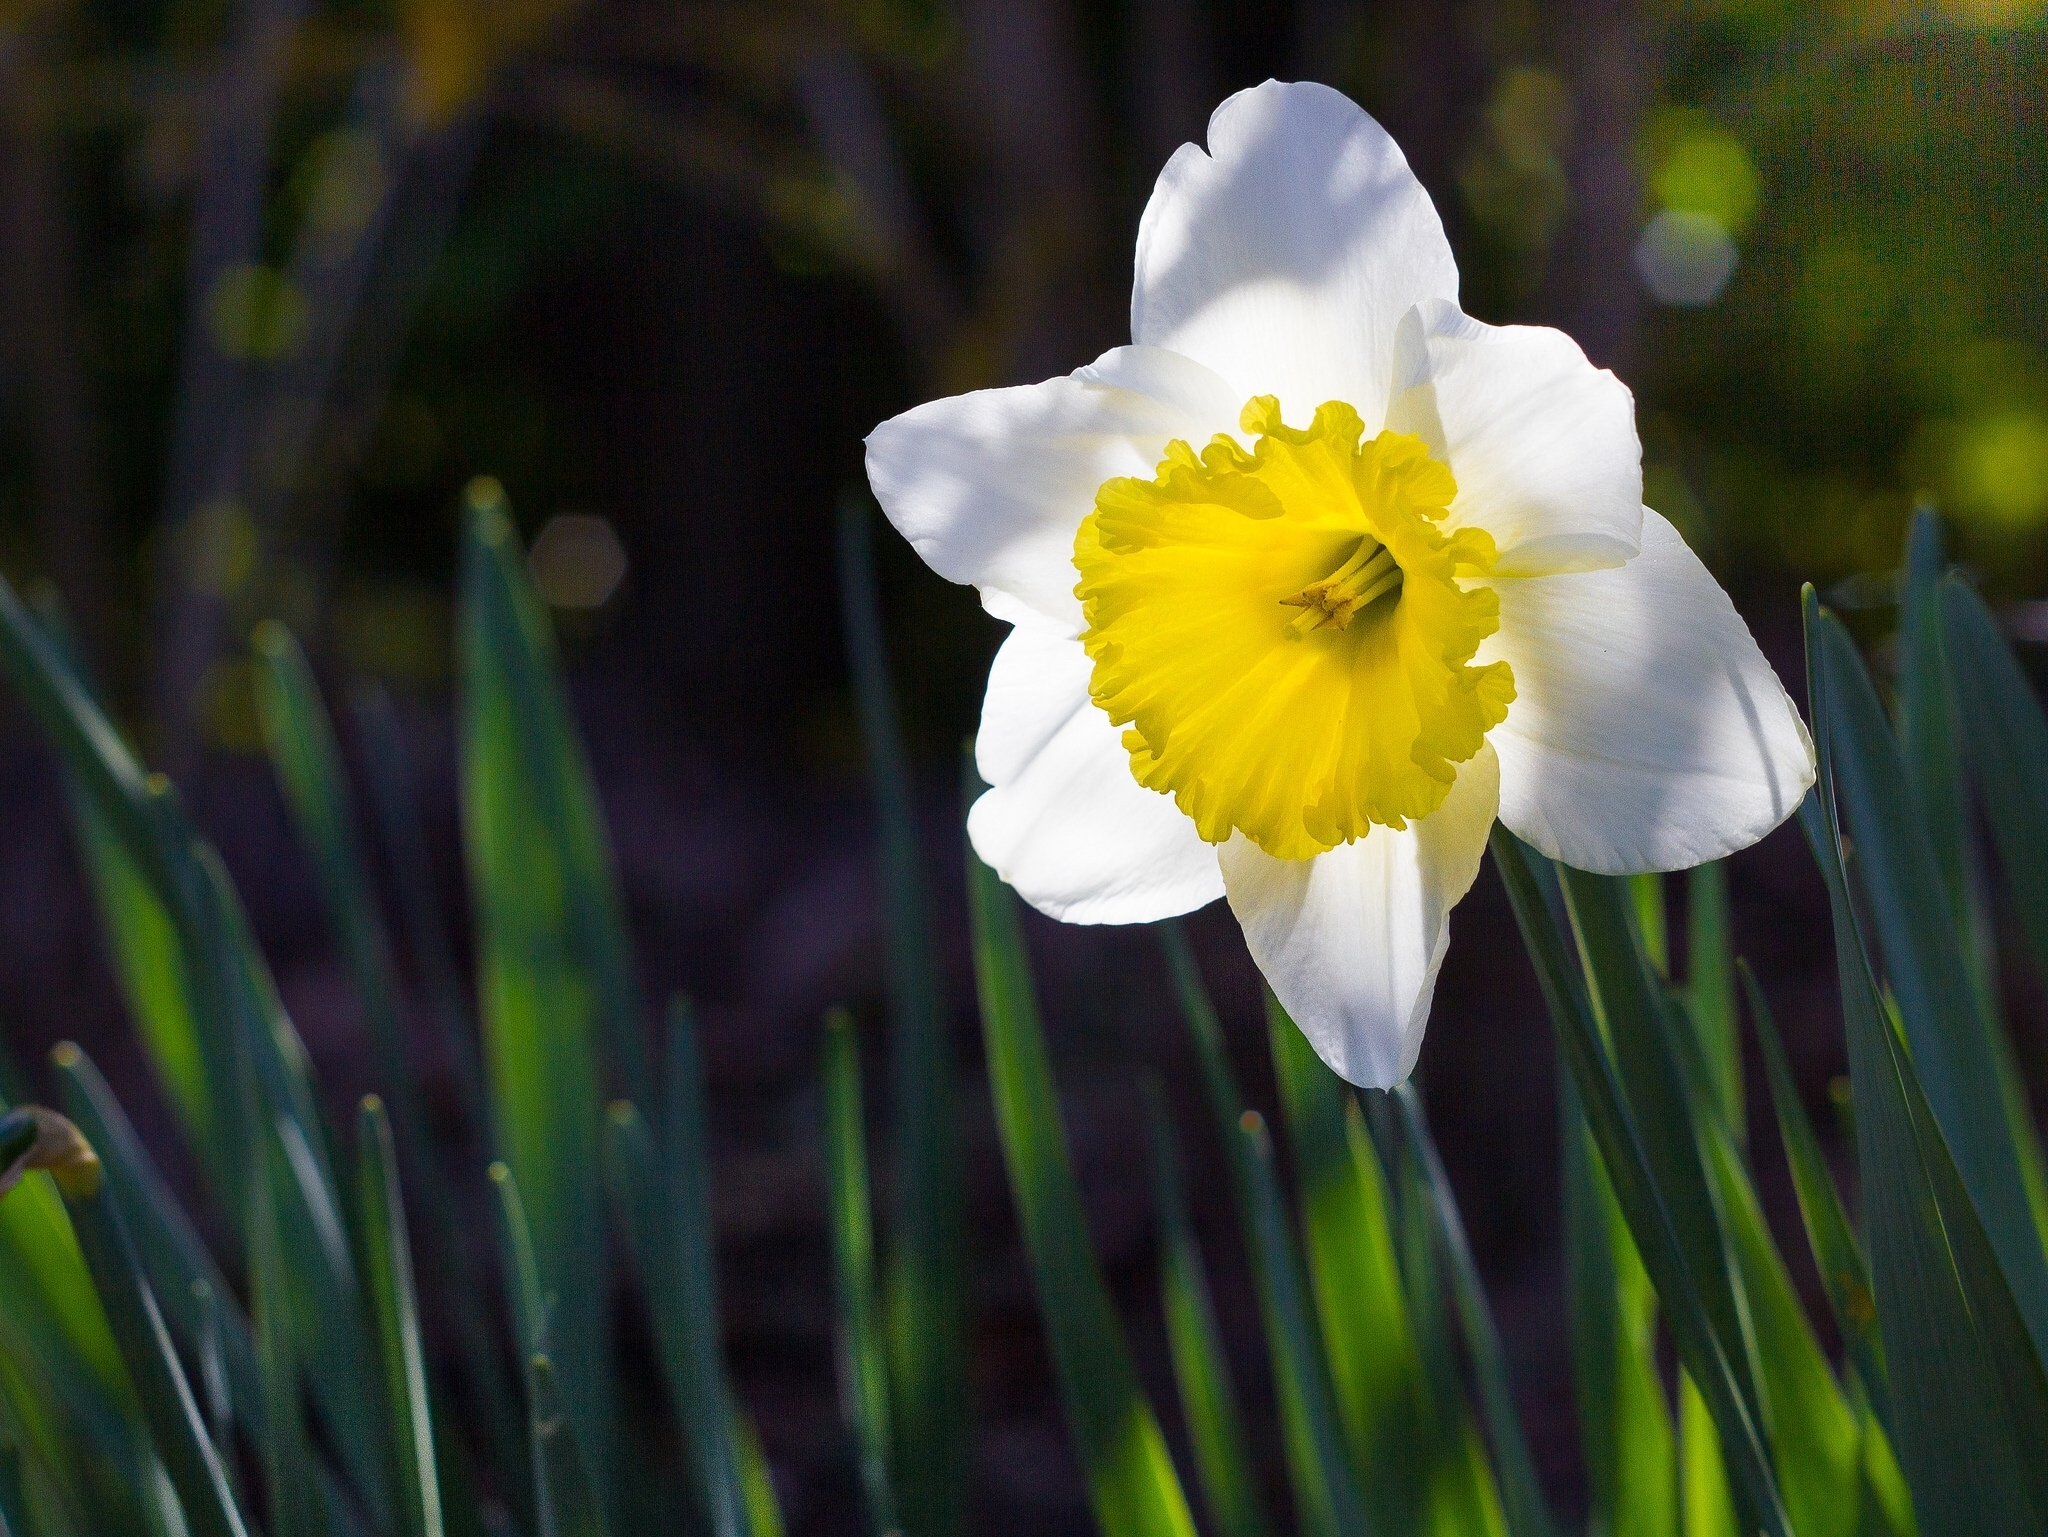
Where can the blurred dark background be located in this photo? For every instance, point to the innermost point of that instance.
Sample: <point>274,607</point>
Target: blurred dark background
<point>278,278</point>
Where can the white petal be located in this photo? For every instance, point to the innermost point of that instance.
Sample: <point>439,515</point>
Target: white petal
<point>1543,444</point>
<point>1286,255</point>
<point>1064,821</point>
<point>1351,940</point>
<point>990,487</point>
<point>1647,732</point>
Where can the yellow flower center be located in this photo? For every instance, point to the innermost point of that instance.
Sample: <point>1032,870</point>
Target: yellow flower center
<point>1287,632</point>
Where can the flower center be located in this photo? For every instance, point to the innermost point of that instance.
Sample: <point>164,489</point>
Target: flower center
<point>1300,729</point>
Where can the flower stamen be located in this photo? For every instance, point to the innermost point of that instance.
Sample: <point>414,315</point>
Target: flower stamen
<point>1369,575</point>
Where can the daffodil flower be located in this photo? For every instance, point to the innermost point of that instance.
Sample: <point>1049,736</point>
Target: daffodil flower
<point>1319,577</point>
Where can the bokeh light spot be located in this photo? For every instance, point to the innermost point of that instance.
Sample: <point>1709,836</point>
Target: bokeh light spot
<point>1706,170</point>
<point>578,561</point>
<point>1685,258</point>
<point>2001,468</point>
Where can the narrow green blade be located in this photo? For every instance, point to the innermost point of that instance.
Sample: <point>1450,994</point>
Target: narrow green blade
<point>1710,990</point>
<point>389,777</point>
<point>651,1215</point>
<point>150,964</point>
<point>1354,1273</point>
<point>168,1405</point>
<point>1325,1484</point>
<point>1927,716</point>
<point>1955,1043</point>
<point>14,1518</point>
<point>686,1180</point>
<point>1625,1428</point>
<point>308,764</point>
<point>1836,1254</point>
<point>1817,1439</point>
<point>1208,1396</point>
<point>925,1290</point>
<point>277,1306</point>
<point>554,977</point>
<point>1526,1511</point>
<point>1968,1395</point>
<point>863,1361</point>
<point>56,1339</point>
<point>387,1277</point>
<point>307,761</point>
<point>1462,1498</point>
<point>1311,1423</point>
<point>563,1503</point>
<point>1628,1005</point>
<point>333,1339</point>
<point>196,1299</point>
<point>1116,1435</point>
<point>1706,1504</point>
<point>84,739</point>
<point>664,1194</point>
<point>2006,738</point>
<point>1666,1254</point>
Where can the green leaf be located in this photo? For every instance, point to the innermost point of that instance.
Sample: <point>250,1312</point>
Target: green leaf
<point>1326,1491</point>
<point>1354,1274</point>
<point>1928,724</point>
<point>55,1333</point>
<point>387,1276</point>
<point>1130,1476</point>
<point>563,1503</point>
<point>764,1511</point>
<point>925,1289</point>
<point>388,775</point>
<point>1527,1513</point>
<point>1955,1043</point>
<point>14,1518</point>
<point>1817,1439</point>
<point>277,1307</point>
<point>554,973</point>
<point>1667,1255</point>
<point>863,1361</point>
<point>1624,1422</point>
<point>2006,739</point>
<point>1311,1426</point>
<point>150,964</point>
<point>1628,1007</point>
<point>333,1340</point>
<point>1461,1498</point>
<point>1706,1504</point>
<point>1836,1255</point>
<point>195,1296</point>
<point>308,764</point>
<point>1710,991</point>
<point>168,1405</point>
<point>1968,1394</point>
<point>1208,1397</point>
<point>664,1196</point>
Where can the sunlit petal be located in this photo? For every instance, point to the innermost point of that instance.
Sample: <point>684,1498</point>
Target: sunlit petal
<point>1064,821</point>
<point>1285,254</point>
<point>1648,731</point>
<point>1351,940</point>
<point>1542,443</point>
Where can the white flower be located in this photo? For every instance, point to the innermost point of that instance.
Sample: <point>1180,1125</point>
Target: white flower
<point>1306,666</point>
